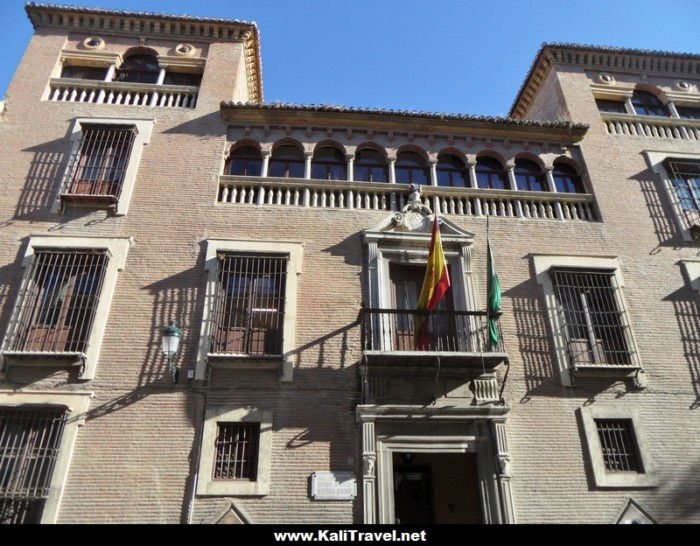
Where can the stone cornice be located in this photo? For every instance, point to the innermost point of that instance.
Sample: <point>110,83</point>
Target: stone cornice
<point>105,21</point>
<point>401,120</point>
<point>601,58</point>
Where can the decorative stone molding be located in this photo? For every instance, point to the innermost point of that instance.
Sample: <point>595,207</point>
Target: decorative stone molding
<point>93,42</point>
<point>186,64</point>
<point>90,58</point>
<point>485,389</point>
<point>682,85</point>
<point>185,50</point>
<point>606,78</point>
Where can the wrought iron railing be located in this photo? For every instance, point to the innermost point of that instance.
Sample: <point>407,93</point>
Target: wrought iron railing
<point>391,330</point>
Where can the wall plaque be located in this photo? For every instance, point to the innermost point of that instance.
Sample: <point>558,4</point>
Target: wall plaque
<point>333,486</point>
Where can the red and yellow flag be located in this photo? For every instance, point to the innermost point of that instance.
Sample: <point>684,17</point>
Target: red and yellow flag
<point>435,284</point>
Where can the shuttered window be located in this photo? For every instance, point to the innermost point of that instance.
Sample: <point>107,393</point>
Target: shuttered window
<point>592,317</point>
<point>249,305</point>
<point>100,162</point>
<point>617,440</point>
<point>29,442</point>
<point>236,451</point>
<point>58,301</point>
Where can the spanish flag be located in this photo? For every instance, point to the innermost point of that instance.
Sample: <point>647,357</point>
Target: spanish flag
<point>435,284</point>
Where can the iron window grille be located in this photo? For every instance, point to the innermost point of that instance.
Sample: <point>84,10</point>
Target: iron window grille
<point>249,305</point>
<point>685,178</point>
<point>593,319</point>
<point>99,164</point>
<point>58,301</point>
<point>236,451</point>
<point>619,445</point>
<point>29,443</point>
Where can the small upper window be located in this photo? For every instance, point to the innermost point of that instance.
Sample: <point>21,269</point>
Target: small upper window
<point>618,445</point>
<point>566,179</point>
<point>529,176</point>
<point>139,69</point>
<point>411,168</point>
<point>287,161</point>
<point>451,171</point>
<point>615,106</point>
<point>84,72</point>
<point>328,163</point>
<point>688,112</point>
<point>490,174</point>
<point>245,161</point>
<point>236,456</point>
<point>370,166</point>
<point>646,104</point>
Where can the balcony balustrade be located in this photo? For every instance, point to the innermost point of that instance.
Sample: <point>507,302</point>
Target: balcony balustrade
<point>123,93</point>
<point>392,197</point>
<point>651,126</point>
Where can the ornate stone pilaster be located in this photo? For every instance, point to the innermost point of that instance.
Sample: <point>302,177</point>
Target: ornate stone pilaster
<point>369,474</point>
<point>504,475</point>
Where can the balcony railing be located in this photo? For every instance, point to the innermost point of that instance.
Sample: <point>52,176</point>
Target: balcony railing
<point>124,93</point>
<point>392,197</point>
<point>651,126</point>
<point>460,334</point>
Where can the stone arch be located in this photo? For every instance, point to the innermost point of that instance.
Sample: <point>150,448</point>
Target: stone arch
<point>288,141</point>
<point>537,160</point>
<point>242,143</point>
<point>493,154</point>
<point>451,150</point>
<point>564,160</point>
<point>330,143</point>
<point>373,146</point>
<point>415,149</point>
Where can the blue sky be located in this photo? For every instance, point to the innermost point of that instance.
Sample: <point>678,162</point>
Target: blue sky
<point>443,55</point>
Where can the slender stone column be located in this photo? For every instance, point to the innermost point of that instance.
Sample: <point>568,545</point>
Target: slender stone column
<point>392,170</point>
<point>672,109</point>
<point>510,171</point>
<point>433,173</point>
<point>472,174</point>
<point>629,106</point>
<point>369,474</point>
<point>265,162</point>
<point>350,158</point>
<point>110,73</point>
<point>161,77</point>
<point>307,164</point>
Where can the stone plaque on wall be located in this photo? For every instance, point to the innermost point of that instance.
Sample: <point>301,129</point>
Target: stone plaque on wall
<point>333,486</point>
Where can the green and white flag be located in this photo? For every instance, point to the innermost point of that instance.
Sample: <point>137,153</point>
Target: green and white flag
<point>494,298</point>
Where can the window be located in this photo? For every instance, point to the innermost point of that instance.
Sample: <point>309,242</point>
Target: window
<point>37,435</point>
<point>592,318</point>
<point>490,174</point>
<point>250,305</point>
<point>103,162</point>
<point>245,161</point>
<point>370,166</point>
<point>99,166</point>
<point>287,161</point>
<point>615,106</point>
<point>451,171</point>
<point>29,444</point>
<point>587,314</point>
<point>688,112</point>
<point>236,452</point>
<point>646,104</point>
<point>566,179</point>
<point>411,168</point>
<point>182,78</point>
<point>63,303</point>
<point>60,300</point>
<point>685,180</point>
<point>328,164</point>
<point>139,69</point>
<point>529,176</point>
<point>84,72</point>
<point>616,446</point>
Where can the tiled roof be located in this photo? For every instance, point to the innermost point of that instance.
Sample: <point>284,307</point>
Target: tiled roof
<point>596,49</point>
<point>400,113</point>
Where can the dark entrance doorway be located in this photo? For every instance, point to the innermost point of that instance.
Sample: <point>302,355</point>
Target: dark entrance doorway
<point>436,488</point>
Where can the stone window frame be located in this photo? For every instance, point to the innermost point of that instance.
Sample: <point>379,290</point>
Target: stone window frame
<point>543,263</point>
<point>603,478</point>
<point>206,485</point>
<point>78,404</point>
<point>656,160</point>
<point>143,127</point>
<point>692,272</point>
<point>117,248</point>
<point>294,252</point>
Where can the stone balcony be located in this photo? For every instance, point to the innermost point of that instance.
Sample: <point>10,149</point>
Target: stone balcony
<point>651,126</point>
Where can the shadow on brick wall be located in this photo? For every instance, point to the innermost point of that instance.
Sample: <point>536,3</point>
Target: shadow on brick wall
<point>687,311</point>
<point>42,180</point>
<point>660,210</point>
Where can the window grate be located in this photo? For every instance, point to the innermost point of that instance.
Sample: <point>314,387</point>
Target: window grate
<point>592,317</point>
<point>249,305</point>
<point>99,166</point>
<point>685,178</point>
<point>58,301</point>
<point>29,444</point>
<point>237,451</point>
<point>617,440</point>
